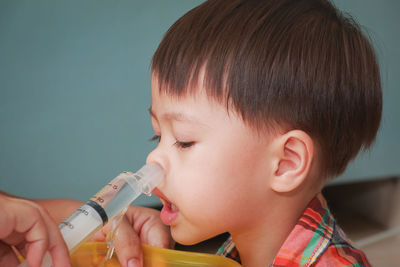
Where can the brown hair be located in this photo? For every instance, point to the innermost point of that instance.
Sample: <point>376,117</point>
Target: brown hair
<point>298,63</point>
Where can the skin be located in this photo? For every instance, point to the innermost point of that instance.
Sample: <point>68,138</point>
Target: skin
<point>223,176</point>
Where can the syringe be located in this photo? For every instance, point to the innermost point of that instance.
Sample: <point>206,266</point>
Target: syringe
<point>105,205</point>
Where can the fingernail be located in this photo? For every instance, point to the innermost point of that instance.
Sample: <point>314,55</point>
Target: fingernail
<point>133,263</point>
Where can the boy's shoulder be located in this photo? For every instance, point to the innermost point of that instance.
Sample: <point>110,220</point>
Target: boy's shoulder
<point>316,240</point>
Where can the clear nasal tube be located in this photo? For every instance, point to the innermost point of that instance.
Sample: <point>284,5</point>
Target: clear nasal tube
<point>110,201</point>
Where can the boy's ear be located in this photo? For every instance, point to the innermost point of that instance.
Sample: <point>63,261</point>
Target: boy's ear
<point>294,153</point>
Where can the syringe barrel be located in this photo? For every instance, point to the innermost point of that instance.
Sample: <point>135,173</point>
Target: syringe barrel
<point>81,225</point>
<point>113,199</point>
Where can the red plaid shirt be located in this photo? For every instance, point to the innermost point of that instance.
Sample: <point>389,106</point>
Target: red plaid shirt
<point>316,240</point>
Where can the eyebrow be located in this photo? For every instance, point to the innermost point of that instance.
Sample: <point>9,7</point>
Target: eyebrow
<point>177,116</point>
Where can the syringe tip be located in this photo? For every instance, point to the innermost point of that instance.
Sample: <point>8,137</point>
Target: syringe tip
<point>150,175</point>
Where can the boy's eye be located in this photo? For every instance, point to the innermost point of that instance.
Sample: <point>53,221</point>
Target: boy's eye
<point>156,138</point>
<point>183,144</point>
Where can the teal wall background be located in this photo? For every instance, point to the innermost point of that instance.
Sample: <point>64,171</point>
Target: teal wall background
<point>75,89</point>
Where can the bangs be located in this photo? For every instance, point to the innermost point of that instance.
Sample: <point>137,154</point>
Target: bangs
<point>228,48</point>
<point>198,46</point>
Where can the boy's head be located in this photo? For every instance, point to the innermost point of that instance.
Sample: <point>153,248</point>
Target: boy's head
<point>279,64</point>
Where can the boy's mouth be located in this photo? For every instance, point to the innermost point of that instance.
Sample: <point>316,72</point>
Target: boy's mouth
<point>169,212</point>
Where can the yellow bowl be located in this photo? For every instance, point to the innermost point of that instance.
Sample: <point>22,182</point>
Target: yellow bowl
<point>91,254</point>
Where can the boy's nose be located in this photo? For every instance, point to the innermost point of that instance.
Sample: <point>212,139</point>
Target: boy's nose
<point>157,156</point>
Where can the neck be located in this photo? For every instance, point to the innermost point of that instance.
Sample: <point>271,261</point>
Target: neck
<point>259,243</point>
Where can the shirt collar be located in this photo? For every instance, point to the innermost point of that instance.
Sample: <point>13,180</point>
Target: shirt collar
<point>310,237</point>
<point>307,241</point>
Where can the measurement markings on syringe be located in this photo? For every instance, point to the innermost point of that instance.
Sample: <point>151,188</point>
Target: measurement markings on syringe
<point>114,186</point>
<point>68,224</point>
<point>83,211</point>
<point>104,195</point>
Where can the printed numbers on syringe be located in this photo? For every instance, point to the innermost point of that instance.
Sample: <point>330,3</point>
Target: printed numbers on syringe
<point>98,197</point>
<point>108,192</point>
<point>70,225</point>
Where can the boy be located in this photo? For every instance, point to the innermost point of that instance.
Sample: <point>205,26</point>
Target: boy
<point>255,105</point>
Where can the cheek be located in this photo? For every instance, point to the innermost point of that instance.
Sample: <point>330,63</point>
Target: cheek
<point>201,195</point>
<point>223,185</point>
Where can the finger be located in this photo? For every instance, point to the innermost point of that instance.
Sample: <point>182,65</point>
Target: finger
<point>158,235</point>
<point>7,218</point>
<point>35,253</point>
<point>152,231</point>
<point>128,245</point>
<point>56,244</point>
<point>100,235</point>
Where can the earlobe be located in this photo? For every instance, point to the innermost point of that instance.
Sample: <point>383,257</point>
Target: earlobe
<point>295,151</point>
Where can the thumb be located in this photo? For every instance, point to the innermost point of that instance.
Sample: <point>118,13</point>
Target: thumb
<point>128,246</point>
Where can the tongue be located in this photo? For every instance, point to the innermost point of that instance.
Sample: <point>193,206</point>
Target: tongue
<point>169,213</point>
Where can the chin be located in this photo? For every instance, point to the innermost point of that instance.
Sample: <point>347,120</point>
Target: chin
<point>186,238</point>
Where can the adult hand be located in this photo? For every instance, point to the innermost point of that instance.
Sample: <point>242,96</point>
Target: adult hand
<point>28,226</point>
<point>139,225</point>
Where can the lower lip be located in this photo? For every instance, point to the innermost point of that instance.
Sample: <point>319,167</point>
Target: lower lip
<point>167,215</point>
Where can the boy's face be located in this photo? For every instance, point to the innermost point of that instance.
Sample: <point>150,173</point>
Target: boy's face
<point>216,172</point>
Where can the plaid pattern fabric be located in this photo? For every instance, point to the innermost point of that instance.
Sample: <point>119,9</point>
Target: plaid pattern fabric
<point>316,240</point>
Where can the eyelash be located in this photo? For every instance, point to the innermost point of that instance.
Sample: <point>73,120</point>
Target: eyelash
<point>179,144</point>
<point>183,144</point>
